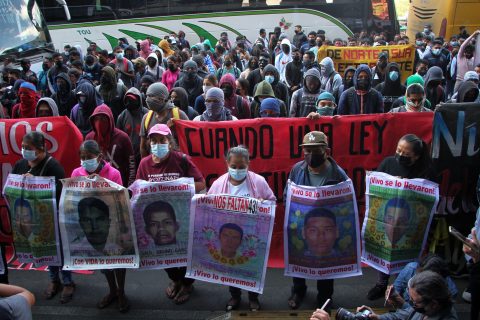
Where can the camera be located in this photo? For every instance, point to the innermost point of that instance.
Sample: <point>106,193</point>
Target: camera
<point>344,314</point>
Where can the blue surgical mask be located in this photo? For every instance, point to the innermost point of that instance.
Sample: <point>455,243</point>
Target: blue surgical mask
<point>160,150</point>
<point>119,55</point>
<point>419,43</point>
<point>237,174</point>
<point>436,51</point>
<point>29,155</point>
<point>90,165</point>
<point>270,79</point>
<point>393,75</point>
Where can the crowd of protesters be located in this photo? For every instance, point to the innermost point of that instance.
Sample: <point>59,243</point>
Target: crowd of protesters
<point>125,101</point>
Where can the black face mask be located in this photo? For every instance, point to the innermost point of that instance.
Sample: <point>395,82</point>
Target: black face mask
<point>315,160</point>
<point>172,67</point>
<point>176,102</point>
<point>362,84</point>
<point>191,75</point>
<point>228,91</point>
<point>253,66</point>
<point>44,67</point>
<point>382,64</point>
<point>62,87</point>
<point>228,63</point>
<point>132,105</point>
<point>319,43</point>
<point>403,160</point>
<point>59,64</point>
<point>311,42</point>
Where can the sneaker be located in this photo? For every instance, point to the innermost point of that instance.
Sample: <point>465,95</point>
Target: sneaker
<point>467,296</point>
<point>376,292</point>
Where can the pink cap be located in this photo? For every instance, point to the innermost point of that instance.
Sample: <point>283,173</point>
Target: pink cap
<point>162,129</point>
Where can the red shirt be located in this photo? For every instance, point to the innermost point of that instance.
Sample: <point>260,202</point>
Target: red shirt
<point>173,167</point>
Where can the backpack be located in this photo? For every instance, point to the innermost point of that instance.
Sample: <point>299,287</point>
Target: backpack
<point>236,72</point>
<point>239,105</point>
<point>148,118</point>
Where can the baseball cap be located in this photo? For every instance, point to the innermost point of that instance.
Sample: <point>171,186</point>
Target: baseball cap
<point>315,138</point>
<point>161,129</point>
<point>140,61</point>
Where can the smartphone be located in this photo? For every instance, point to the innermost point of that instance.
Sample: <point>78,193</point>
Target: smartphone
<point>454,232</point>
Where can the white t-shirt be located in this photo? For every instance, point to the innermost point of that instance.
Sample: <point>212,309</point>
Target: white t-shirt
<point>240,190</point>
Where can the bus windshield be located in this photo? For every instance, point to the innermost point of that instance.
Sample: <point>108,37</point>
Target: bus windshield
<point>22,21</point>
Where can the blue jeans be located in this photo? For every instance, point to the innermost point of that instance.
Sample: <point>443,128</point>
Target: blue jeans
<point>54,274</point>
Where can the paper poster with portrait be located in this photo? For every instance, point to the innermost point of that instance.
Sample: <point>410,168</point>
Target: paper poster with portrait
<point>33,208</point>
<point>161,211</point>
<point>397,220</point>
<point>96,225</point>
<point>229,240</point>
<point>321,232</point>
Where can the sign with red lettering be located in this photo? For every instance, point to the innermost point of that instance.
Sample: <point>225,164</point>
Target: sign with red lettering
<point>357,143</point>
<point>344,57</point>
<point>62,139</point>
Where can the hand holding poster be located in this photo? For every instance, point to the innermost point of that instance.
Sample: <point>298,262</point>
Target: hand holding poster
<point>32,202</point>
<point>229,240</point>
<point>96,225</point>
<point>397,220</point>
<point>161,212</point>
<point>321,232</point>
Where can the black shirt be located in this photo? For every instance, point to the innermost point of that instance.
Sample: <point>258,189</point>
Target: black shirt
<point>52,169</point>
<point>391,166</point>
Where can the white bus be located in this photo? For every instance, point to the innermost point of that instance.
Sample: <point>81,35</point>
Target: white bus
<point>105,21</point>
<point>24,31</point>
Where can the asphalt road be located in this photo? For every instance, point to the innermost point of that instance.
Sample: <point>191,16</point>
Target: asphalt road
<point>145,289</point>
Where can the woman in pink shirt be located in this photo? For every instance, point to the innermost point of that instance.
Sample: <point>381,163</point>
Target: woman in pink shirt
<point>239,181</point>
<point>92,163</point>
<point>170,76</point>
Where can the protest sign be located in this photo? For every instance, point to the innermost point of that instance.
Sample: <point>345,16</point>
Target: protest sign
<point>161,211</point>
<point>456,155</point>
<point>397,220</point>
<point>32,202</point>
<point>344,57</point>
<point>358,144</point>
<point>96,225</point>
<point>321,232</point>
<point>229,240</point>
<point>61,137</point>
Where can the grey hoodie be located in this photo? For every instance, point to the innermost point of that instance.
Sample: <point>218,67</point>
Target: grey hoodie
<point>51,103</point>
<point>129,121</point>
<point>331,80</point>
<point>303,101</point>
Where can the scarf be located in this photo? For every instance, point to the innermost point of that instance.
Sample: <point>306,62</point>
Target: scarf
<point>27,103</point>
<point>223,115</point>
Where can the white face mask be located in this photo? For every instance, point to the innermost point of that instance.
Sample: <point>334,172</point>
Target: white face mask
<point>206,88</point>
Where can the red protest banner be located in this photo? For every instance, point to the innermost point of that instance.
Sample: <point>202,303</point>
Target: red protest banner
<point>63,140</point>
<point>358,143</point>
